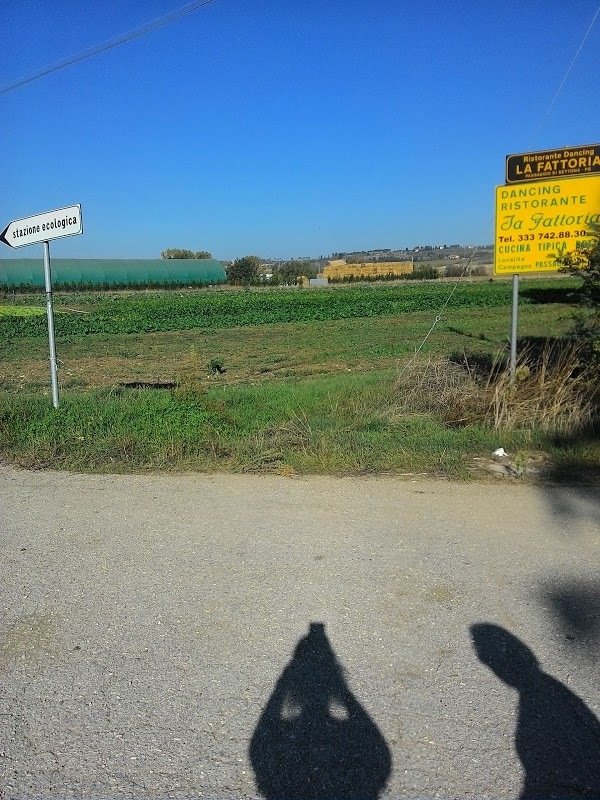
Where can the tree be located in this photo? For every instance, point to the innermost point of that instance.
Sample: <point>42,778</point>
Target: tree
<point>584,263</point>
<point>289,271</point>
<point>177,253</point>
<point>244,270</point>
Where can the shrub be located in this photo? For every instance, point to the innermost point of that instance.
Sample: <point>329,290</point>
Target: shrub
<point>584,264</point>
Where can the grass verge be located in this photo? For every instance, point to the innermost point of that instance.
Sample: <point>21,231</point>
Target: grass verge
<point>342,425</point>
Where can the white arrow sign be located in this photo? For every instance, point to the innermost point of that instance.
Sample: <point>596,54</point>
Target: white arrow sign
<point>43,227</point>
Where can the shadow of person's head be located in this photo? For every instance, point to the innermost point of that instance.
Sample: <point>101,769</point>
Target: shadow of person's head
<point>511,660</point>
<point>314,740</point>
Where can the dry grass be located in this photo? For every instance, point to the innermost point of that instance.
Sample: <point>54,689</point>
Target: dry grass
<point>553,390</point>
<point>432,386</point>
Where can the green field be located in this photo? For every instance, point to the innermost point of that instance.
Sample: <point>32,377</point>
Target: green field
<point>124,313</point>
<point>308,380</point>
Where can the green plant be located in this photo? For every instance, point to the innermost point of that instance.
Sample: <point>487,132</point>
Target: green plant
<point>216,366</point>
<point>584,264</point>
<point>519,464</point>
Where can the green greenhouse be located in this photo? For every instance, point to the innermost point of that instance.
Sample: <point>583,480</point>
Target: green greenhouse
<point>24,272</point>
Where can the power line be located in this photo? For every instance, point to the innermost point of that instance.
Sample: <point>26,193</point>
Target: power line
<point>101,48</point>
<point>568,72</point>
<point>438,316</point>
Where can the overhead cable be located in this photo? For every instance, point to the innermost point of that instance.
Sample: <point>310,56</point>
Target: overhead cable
<point>167,19</point>
<point>568,72</point>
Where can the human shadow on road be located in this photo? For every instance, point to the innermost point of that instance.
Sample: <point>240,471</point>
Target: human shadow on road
<point>313,739</point>
<point>576,610</point>
<point>557,736</point>
<point>568,495</point>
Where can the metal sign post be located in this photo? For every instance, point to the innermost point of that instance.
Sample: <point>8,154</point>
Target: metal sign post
<point>50,315</point>
<point>41,228</point>
<point>513,326</point>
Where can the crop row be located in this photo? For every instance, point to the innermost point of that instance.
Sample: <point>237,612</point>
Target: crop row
<point>174,311</point>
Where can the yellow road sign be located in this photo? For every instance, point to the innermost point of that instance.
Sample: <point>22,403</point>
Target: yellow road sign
<point>538,222</point>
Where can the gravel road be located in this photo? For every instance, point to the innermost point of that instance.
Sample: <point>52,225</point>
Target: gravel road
<point>240,636</point>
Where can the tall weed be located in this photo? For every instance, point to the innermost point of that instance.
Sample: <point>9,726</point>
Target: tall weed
<point>553,390</point>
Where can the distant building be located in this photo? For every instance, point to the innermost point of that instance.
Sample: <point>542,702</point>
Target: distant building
<point>113,272</point>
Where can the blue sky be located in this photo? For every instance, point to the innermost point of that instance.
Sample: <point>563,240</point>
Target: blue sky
<point>285,128</point>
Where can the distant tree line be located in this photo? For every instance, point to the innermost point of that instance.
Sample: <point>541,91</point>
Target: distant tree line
<point>175,253</point>
<point>426,273</point>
